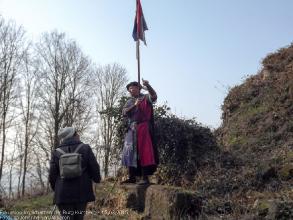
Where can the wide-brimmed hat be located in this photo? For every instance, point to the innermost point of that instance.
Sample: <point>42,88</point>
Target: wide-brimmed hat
<point>65,133</point>
<point>134,83</point>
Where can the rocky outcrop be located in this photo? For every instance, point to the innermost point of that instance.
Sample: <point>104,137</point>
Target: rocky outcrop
<point>257,129</point>
<point>156,201</point>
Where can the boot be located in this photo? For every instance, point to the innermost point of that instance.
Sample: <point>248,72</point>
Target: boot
<point>144,181</point>
<point>131,178</point>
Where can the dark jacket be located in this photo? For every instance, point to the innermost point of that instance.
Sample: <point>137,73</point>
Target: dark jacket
<point>77,190</point>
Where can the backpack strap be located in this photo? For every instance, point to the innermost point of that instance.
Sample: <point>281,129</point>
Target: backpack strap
<point>78,147</point>
<point>60,150</point>
<point>76,150</point>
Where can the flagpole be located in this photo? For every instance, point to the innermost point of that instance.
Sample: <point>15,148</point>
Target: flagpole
<point>137,47</point>
<point>138,60</point>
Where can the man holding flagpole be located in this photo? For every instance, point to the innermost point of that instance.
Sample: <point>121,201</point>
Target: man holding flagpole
<point>139,151</point>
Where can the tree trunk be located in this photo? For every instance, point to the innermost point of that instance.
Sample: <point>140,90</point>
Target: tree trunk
<point>25,158</point>
<point>3,144</point>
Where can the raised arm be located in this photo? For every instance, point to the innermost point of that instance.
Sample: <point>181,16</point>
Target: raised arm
<point>150,89</point>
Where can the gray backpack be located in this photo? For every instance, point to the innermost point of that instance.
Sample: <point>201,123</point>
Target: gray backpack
<point>70,163</point>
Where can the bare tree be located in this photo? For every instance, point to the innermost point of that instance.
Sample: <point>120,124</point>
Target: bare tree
<point>29,105</point>
<point>64,81</point>
<point>50,85</point>
<point>12,47</point>
<point>110,81</point>
<point>64,76</point>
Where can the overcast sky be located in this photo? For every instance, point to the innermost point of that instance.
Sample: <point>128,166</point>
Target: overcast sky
<point>196,50</point>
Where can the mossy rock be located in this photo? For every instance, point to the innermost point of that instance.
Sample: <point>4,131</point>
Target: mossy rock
<point>265,172</point>
<point>163,202</point>
<point>136,196</point>
<point>266,209</point>
<point>273,209</point>
<point>289,156</point>
<point>286,172</point>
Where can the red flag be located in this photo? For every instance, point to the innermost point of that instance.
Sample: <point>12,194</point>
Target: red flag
<point>139,24</point>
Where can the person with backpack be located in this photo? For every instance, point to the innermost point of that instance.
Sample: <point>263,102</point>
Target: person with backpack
<point>73,169</point>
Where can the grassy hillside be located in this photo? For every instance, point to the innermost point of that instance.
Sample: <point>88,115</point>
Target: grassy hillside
<point>257,131</point>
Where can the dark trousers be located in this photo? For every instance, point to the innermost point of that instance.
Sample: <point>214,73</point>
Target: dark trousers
<point>73,211</point>
<point>141,171</point>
